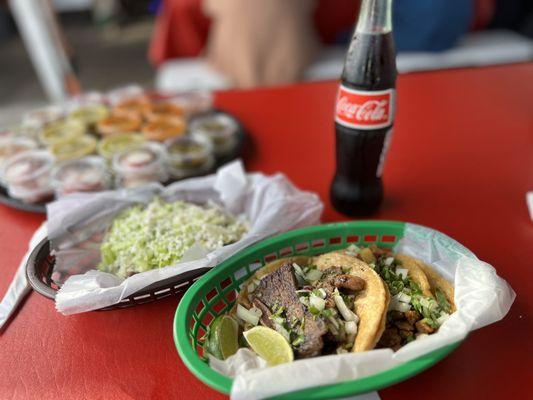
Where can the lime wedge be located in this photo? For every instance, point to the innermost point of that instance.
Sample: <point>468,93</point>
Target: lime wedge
<point>269,345</point>
<point>221,338</point>
<point>227,332</point>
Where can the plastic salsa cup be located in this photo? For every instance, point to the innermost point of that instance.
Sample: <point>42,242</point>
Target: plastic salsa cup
<point>19,131</point>
<point>113,144</point>
<point>164,110</point>
<point>60,131</point>
<point>189,155</point>
<point>140,164</point>
<point>87,174</point>
<point>220,128</point>
<point>115,124</point>
<point>89,115</point>
<point>164,128</point>
<point>27,175</point>
<point>136,106</point>
<point>11,145</point>
<point>76,147</point>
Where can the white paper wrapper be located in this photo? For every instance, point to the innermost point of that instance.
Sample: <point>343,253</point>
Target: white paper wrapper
<point>481,298</point>
<point>76,223</point>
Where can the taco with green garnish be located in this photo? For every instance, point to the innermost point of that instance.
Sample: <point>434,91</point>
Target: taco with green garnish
<point>421,300</point>
<point>321,305</point>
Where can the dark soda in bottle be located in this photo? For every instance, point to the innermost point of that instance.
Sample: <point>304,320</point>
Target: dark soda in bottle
<point>364,112</point>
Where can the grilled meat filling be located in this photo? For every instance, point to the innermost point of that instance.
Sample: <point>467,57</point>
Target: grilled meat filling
<point>277,293</point>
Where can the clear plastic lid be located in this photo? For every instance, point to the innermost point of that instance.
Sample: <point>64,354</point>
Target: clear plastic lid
<point>136,107</point>
<point>164,128</point>
<point>20,131</point>
<point>11,145</point>
<point>27,175</point>
<point>89,114</point>
<point>164,110</point>
<point>189,152</point>
<point>114,144</point>
<point>141,164</point>
<point>87,174</point>
<point>60,131</point>
<point>220,128</point>
<point>116,124</point>
<point>76,147</point>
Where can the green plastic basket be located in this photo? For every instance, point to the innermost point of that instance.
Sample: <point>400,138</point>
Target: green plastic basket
<point>215,293</point>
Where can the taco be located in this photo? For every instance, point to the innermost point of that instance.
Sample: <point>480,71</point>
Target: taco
<point>421,299</point>
<point>370,304</point>
<point>322,305</point>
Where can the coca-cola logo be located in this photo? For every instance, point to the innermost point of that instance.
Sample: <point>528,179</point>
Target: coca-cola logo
<point>364,110</point>
<point>371,110</point>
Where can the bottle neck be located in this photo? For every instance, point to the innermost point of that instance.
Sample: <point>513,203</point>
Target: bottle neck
<point>375,17</point>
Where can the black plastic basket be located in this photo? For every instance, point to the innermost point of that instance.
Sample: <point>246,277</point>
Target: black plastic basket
<point>40,267</point>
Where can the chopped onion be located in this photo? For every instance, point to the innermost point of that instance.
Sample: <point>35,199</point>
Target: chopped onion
<point>421,336</point>
<point>317,302</point>
<point>403,307</point>
<point>443,317</point>
<point>389,261</point>
<point>346,313</point>
<point>298,269</point>
<point>350,327</point>
<point>397,305</point>
<point>304,300</point>
<point>334,322</point>
<point>350,338</point>
<point>313,275</point>
<point>401,271</point>
<point>300,275</point>
<point>404,298</point>
<point>251,287</point>
<point>278,326</point>
<point>352,250</point>
<point>251,316</point>
<point>333,329</point>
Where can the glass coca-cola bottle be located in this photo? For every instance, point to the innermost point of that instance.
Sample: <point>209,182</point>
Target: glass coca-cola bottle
<point>364,112</point>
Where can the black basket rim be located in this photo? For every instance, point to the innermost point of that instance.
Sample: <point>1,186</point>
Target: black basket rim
<point>157,290</point>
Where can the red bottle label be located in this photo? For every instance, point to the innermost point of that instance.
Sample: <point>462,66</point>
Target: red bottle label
<point>364,110</point>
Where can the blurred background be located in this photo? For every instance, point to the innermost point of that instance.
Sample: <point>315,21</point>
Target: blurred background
<point>51,49</point>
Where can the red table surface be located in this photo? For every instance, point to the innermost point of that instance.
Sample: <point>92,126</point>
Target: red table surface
<point>460,162</point>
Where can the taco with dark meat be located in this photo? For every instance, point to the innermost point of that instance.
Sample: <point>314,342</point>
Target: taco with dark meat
<point>421,299</point>
<point>328,304</point>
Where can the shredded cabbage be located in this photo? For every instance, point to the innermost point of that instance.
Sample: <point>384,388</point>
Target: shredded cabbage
<point>157,235</point>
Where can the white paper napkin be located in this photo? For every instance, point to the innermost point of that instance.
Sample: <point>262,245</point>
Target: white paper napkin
<point>19,287</point>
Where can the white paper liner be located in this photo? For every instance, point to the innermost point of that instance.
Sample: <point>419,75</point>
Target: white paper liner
<point>481,298</point>
<point>76,224</point>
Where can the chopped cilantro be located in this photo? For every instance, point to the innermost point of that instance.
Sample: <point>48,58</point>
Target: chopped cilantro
<point>443,302</point>
<point>313,310</point>
<point>328,312</point>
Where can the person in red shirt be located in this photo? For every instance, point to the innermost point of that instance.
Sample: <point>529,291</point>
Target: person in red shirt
<point>244,39</point>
